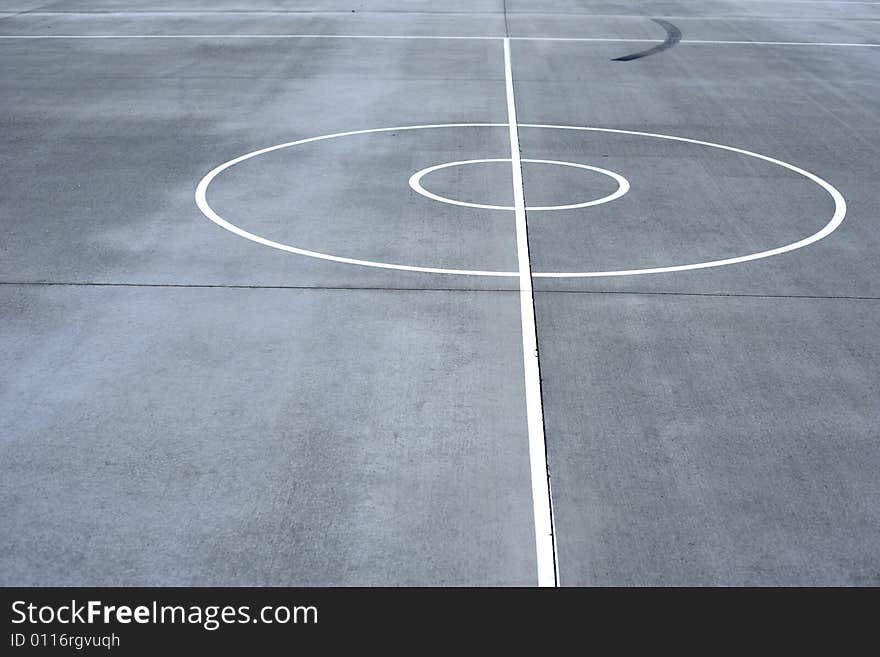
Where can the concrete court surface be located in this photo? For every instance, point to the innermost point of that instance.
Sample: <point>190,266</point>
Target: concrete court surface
<point>182,406</point>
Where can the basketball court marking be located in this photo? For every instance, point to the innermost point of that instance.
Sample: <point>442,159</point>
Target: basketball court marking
<point>547,559</point>
<point>435,37</point>
<point>208,211</point>
<point>545,540</point>
<point>825,231</point>
<point>542,500</point>
<point>545,544</point>
<point>259,12</point>
<point>541,496</point>
<point>416,185</point>
<point>830,227</point>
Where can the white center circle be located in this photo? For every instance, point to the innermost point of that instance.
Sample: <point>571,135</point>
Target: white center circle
<point>415,182</point>
<point>201,199</point>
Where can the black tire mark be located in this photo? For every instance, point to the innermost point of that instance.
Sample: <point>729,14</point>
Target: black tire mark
<point>673,36</point>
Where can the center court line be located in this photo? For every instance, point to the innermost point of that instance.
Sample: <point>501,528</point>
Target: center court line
<point>542,502</point>
<point>12,37</point>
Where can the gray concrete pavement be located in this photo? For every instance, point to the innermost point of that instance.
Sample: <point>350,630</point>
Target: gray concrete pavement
<point>774,108</point>
<point>191,105</point>
<point>191,436</point>
<point>721,429</point>
<point>179,405</point>
<point>712,441</point>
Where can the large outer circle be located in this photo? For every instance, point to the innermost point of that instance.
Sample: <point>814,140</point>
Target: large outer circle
<point>830,227</point>
<point>415,182</point>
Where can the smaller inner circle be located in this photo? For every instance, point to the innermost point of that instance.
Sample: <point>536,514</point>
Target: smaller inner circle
<point>415,182</point>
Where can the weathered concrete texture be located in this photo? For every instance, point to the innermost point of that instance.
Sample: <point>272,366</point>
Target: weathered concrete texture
<point>179,405</point>
<point>713,441</point>
<point>196,436</point>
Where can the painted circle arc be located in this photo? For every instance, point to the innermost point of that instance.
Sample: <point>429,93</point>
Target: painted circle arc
<point>827,229</point>
<point>415,182</point>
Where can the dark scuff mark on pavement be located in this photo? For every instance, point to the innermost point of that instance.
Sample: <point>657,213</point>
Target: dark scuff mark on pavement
<point>673,36</point>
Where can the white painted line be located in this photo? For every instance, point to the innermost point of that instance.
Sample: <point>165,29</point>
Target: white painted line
<point>245,36</point>
<point>698,42</point>
<point>415,182</point>
<point>830,227</point>
<point>775,43</point>
<point>208,211</point>
<point>269,12</point>
<point>435,37</point>
<point>542,502</point>
<point>587,39</point>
